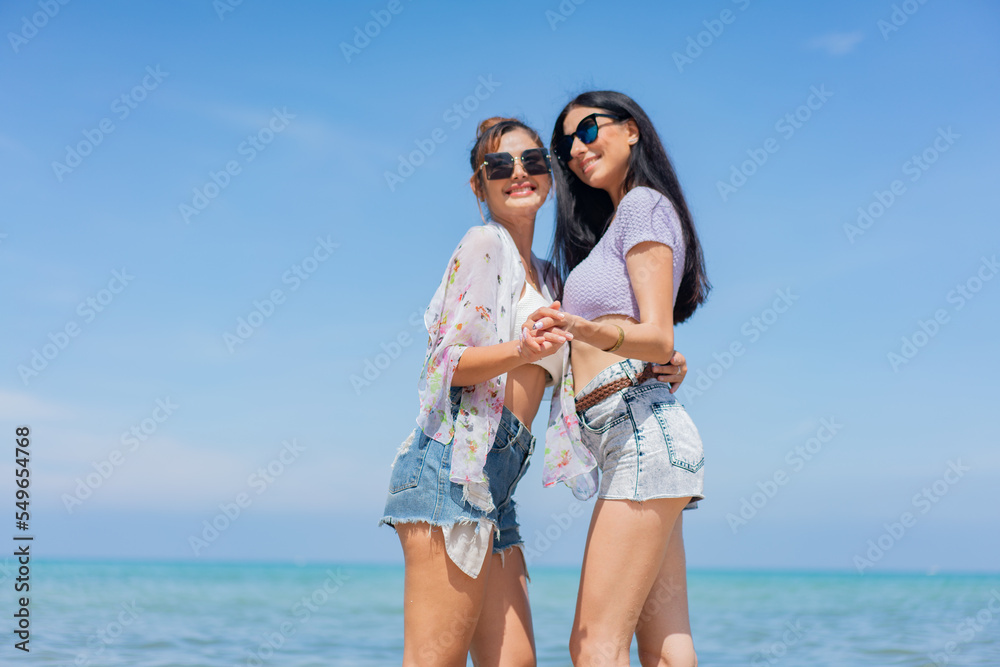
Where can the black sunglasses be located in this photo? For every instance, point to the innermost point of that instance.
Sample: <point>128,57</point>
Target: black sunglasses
<point>586,131</point>
<point>501,165</point>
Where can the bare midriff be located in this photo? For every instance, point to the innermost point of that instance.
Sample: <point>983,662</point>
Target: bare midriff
<point>525,386</point>
<point>588,360</point>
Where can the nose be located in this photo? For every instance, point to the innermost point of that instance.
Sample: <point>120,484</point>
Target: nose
<point>577,148</point>
<point>518,165</point>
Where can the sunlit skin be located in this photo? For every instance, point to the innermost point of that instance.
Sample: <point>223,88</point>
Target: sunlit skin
<point>603,164</point>
<point>513,202</point>
<point>447,614</point>
<point>493,609</point>
<point>509,200</point>
<point>633,579</point>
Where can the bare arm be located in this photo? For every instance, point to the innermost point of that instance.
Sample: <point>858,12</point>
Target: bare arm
<point>652,338</point>
<point>479,364</point>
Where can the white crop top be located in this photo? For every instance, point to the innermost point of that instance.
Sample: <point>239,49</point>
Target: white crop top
<point>529,303</point>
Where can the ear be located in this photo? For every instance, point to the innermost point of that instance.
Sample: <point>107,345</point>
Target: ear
<point>631,131</point>
<point>476,188</point>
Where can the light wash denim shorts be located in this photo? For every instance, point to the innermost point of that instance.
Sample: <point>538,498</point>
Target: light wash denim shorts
<point>644,441</point>
<point>420,488</point>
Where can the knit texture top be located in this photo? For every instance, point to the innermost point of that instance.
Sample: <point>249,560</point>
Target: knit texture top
<point>600,284</point>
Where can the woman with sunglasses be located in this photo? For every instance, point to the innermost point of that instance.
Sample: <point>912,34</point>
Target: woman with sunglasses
<point>633,268</point>
<point>481,385</point>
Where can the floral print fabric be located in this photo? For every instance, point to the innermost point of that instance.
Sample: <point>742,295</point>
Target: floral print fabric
<point>567,459</point>
<point>474,306</point>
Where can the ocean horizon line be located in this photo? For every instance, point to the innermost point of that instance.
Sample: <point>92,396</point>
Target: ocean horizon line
<point>389,565</point>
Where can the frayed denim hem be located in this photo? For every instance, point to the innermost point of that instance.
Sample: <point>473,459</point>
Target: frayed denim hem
<point>692,504</point>
<point>466,548</point>
<point>391,521</point>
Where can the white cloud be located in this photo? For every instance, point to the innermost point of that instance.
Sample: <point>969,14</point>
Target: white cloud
<point>9,144</point>
<point>311,131</point>
<point>166,474</point>
<point>837,43</point>
<point>25,408</point>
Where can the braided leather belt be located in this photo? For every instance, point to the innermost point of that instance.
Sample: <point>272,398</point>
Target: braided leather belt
<point>605,390</point>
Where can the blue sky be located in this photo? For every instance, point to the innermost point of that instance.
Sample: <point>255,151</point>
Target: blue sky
<point>221,166</point>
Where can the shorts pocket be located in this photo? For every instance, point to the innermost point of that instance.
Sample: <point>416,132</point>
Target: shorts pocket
<point>501,440</point>
<point>409,464</point>
<point>505,468</point>
<point>683,442</point>
<point>604,416</point>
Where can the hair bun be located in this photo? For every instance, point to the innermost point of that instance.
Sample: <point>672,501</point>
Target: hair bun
<point>485,125</point>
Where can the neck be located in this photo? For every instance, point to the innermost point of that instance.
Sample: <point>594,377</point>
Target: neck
<point>522,231</point>
<point>616,194</point>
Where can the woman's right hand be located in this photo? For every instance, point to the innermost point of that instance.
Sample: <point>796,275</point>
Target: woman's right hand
<point>672,372</point>
<point>542,333</point>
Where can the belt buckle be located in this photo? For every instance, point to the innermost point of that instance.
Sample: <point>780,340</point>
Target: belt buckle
<point>632,375</point>
<point>630,372</point>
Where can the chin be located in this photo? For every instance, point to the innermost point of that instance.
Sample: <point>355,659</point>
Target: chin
<point>594,181</point>
<point>519,204</point>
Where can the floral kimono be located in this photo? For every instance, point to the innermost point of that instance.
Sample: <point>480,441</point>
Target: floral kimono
<point>567,459</point>
<point>474,306</point>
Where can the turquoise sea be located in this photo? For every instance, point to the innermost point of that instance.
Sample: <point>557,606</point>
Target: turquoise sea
<point>172,614</point>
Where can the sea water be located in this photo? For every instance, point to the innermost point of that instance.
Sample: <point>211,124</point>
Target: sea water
<point>206,614</point>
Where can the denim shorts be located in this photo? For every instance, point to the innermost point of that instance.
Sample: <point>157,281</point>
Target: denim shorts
<point>420,488</point>
<point>645,443</point>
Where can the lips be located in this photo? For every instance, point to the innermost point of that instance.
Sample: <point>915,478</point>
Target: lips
<point>588,163</point>
<point>520,190</point>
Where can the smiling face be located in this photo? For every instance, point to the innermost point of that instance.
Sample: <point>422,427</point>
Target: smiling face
<point>603,163</point>
<point>520,195</point>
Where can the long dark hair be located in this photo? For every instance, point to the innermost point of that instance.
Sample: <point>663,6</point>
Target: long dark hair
<point>583,213</point>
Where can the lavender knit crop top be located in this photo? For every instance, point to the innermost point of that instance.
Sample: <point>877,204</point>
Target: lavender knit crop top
<point>599,285</point>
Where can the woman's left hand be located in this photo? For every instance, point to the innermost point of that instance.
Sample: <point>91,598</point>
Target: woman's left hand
<point>673,372</point>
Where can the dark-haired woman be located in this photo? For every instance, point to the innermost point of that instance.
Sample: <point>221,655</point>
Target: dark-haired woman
<point>482,382</point>
<point>633,268</point>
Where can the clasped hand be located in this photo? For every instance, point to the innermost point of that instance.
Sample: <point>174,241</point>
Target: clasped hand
<point>543,333</point>
<point>547,329</point>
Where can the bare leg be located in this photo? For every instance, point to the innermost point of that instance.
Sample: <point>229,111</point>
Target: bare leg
<point>504,636</point>
<point>664,630</point>
<point>441,603</point>
<point>626,547</point>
